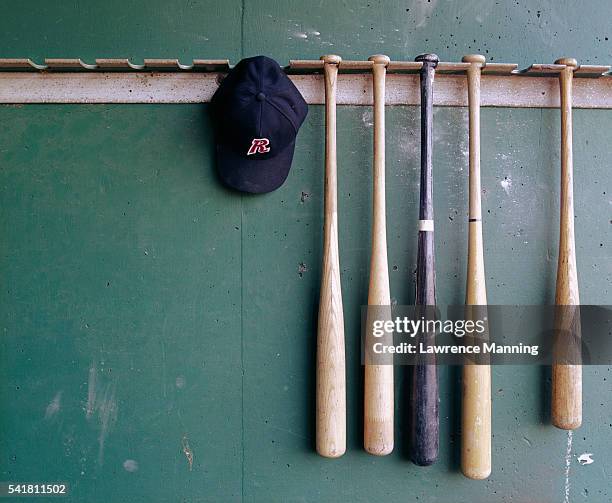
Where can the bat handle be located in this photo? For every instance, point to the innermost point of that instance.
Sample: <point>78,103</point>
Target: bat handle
<point>378,382</point>
<point>331,374</point>
<point>566,407</point>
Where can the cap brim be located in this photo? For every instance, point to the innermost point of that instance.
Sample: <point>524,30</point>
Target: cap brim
<point>254,176</point>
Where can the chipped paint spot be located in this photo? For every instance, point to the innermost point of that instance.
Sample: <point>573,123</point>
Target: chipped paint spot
<point>586,458</point>
<point>367,117</point>
<point>130,465</point>
<point>568,464</point>
<point>180,382</point>
<point>54,406</point>
<point>187,451</point>
<point>506,183</point>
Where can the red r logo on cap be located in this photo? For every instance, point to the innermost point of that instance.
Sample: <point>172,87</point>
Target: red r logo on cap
<point>259,146</point>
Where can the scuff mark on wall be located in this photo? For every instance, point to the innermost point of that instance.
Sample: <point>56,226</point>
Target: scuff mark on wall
<point>107,413</point>
<point>187,451</point>
<point>91,390</point>
<point>367,117</point>
<point>478,9</point>
<point>54,405</point>
<point>130,465</point>
<point>105,409</point>
<point>422,11</point>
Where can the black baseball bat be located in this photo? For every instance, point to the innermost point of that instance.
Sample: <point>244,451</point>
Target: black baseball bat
<point>424,399</point>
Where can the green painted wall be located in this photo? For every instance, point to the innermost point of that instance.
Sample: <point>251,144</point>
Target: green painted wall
<point>149,315</point>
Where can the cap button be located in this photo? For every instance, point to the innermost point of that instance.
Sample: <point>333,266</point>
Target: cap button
<point>261,96</point>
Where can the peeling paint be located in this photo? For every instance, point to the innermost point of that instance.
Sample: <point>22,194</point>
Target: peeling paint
<point>586,458</point>
<point>506,183</point>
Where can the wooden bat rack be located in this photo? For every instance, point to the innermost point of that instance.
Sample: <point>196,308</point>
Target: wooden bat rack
<point>169,81</point>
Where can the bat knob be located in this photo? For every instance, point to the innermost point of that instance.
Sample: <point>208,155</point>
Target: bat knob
<point>379,59</point>
<point>474,58</point>
<point>570,62</point>
<point>331,59</point>
<point>429,58</point>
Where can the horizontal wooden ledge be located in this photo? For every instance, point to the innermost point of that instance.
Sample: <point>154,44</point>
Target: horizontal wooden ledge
<point>296,65</point>
<point>353,89</point>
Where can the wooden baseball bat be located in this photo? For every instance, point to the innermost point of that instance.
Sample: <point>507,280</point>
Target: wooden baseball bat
<point>331,378</point>
<point>566,408</point>
<point>378,386</point>
<point>476,406</point>
<point>424,424</point>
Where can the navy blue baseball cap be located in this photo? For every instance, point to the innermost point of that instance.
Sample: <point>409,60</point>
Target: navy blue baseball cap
<point>257,112</point>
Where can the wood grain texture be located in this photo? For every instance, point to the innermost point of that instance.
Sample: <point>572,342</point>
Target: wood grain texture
<point>378,382</point>
<point>331,373</point>
<point>476,405</point>
<point>566,408</point>
<point>424,424</point>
